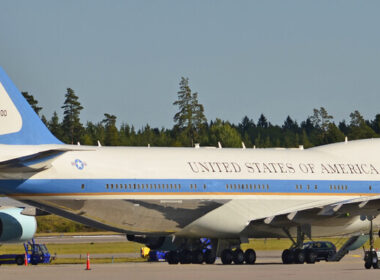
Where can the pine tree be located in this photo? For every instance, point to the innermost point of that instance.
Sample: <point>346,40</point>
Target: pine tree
<point>71,125</point>
<point>190,118</point>
<point>112,135</point>
<point>32,102</point>
<point>263,122</point>
<point>358,128</point>
<point>55,127</point>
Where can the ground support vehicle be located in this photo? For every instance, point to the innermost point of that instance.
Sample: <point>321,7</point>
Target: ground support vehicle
<point>35,253</point>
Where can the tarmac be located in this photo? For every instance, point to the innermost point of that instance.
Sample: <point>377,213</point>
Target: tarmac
<point>268,267</point>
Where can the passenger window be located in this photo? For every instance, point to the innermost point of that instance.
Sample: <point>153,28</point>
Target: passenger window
<point>107,186</point>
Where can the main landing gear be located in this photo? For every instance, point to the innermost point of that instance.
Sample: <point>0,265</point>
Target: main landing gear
<point>371,258</point>
<point>295,254</point>
<point>187,257</point>
<point>238,256</point>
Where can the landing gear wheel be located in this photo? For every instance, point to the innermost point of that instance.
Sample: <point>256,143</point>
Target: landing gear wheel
<point>375,262</point>
<point>287,256</point>
<point>209,257</point>
<point>367,265</point>
<point>299,256</point>
<point>250,256</point>
<point>238,256</point>
<point>172,257</point>
<point>185,257</point>
<point>197,257</point>
<point>311,257</point>
<point>226,256</point>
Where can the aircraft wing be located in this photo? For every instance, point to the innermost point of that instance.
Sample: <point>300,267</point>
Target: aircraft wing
<point>363,206</point>
<point>31,163</point>
<point>34,162</point>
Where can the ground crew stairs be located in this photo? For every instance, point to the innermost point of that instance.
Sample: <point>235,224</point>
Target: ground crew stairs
<point>353,243</point>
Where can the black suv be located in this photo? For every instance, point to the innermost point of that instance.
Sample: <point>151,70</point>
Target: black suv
<point>321,249</point>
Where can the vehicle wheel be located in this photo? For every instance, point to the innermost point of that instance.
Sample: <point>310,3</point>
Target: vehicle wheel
<point>250,256</point>
<point>209,257</point>
<point>20,260</point>
<point>311,257</point>
<point>238,256</point>
<point>197,257</point>
<point>172,257</point>
<point>287,256</point>
<point>299,256</point>
<point>185,257</point>
<point>226,256</point>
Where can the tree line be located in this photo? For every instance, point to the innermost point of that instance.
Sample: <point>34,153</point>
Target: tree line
<point>191,126</point>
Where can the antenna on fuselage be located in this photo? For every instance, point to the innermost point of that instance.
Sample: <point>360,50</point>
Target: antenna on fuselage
<point>345,139</point>
<point>99,145</point>
<point>219,145</point>
<point>243,145</point>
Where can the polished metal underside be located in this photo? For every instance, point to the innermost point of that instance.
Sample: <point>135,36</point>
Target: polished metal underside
<point>158,217</point>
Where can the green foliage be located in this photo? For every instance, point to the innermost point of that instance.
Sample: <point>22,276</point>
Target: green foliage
<point>112,135</point>
<point>190,118</point>
<point>359,128</point>
<point>71,126</point>
<point>33,102</point>
<point>192,127</point>
<point>224,133</point>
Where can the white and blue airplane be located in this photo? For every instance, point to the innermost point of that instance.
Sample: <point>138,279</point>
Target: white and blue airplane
<point>171,197</point>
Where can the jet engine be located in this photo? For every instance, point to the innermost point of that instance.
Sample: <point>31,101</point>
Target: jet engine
<point>16,227</point>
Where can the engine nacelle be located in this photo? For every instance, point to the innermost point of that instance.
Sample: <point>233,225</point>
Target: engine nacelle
<point>16,227</point>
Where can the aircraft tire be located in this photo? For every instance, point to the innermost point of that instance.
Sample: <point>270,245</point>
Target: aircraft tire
<point>287,256</point>
<point>209,257</point>
<point>250,256</point>
<point>197,257</point>
<point>226,256</point>
<point>238,256</point>
<point>185,257</point>
<point>172,257</point>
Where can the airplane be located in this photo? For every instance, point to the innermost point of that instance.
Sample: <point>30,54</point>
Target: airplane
<point>173,198</point>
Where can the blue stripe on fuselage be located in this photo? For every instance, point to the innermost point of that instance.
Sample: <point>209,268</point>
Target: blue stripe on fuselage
<point>162,186</point>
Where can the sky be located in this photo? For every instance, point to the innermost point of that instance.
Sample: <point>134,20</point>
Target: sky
<point>126,58</point>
